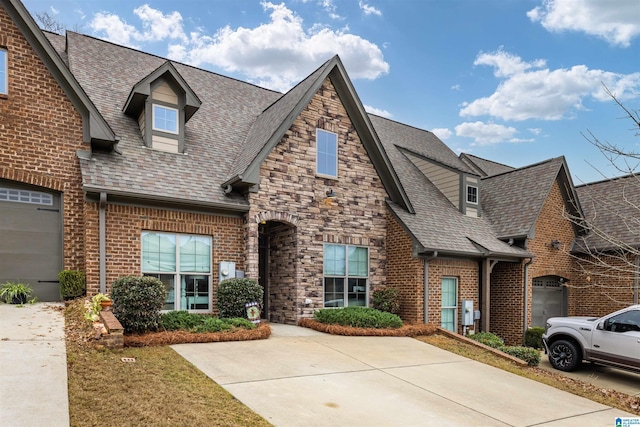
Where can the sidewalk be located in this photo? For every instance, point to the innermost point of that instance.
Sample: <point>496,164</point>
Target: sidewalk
<point>33,366</point>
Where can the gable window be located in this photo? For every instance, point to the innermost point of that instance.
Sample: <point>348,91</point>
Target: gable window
<point>4,74</point>
<point>449,318</point>
<point>183,263</point>
<point>472,194</point>
<point>326,153</point>
<point>165,119</point>
<point>346,275</point>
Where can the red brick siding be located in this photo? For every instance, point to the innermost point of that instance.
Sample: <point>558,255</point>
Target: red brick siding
<point>124,226</point>
<point>404,271</point>
<point>40,131</point>
<point>507,302</point>
<point>291,192</point>
<point>467,273</point>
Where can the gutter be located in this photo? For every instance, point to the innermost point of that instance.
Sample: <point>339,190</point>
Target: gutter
<point>103,242</point>
<point>526,298</point>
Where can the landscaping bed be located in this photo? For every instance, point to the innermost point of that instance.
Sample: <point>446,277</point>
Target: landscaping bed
<point>263,331</point>
<point>402,331</point>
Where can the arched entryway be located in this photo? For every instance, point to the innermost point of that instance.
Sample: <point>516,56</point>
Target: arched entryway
<point>277,243</point>
<point>549,299</point>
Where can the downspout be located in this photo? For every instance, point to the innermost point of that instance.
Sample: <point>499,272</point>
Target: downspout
<point>526,297</point>
<point>426,285</point>
<point>103,242</point>
<point>636,273</point>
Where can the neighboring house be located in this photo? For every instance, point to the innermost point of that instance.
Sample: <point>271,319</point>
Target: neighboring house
<point>608,266</point>
<point>114,161</point>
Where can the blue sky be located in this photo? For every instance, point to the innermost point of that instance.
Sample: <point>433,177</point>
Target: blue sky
<point>516,82</point>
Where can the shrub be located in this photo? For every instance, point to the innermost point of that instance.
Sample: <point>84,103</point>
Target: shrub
<point>137,302</point>
<point>233,294</point>
<point>387,299</point>
<point>528,354</point>
<point>488,338</point>
<point>16,293</point>
<point>72,284</point>
<point>194,322</point>
<point>359,317</point>
<point>533,337</point>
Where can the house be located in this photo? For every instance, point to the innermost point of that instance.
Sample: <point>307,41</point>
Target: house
<point>115,162</point>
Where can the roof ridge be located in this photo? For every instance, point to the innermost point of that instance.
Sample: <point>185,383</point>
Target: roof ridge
<point>487,160</point>
<point>532,165</point>
<point>607,180</point>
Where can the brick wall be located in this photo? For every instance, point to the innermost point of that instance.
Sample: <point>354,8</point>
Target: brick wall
<point>602,285</point>
<point>507,302</point>
<point>124,226</point>
<point>40,131</point>
<point>291,193</point>
<point>467,273</point>
<point>404,271</point>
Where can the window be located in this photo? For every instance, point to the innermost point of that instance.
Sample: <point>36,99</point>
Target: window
<point>25,196</point>
<point>4,73</point>
<point>472,194</point>
<point>449,303</point>
<point>183,263</point>
<point>326,153</point>
<point>345,265</point>
<point>165,119</point>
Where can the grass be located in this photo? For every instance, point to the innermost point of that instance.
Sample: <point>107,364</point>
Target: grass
<point>605,396</point>
<point>160,388</point>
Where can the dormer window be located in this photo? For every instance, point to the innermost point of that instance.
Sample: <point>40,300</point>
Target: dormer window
<point>165,119</point>
<point>472,194</point>
<point>162,103</point>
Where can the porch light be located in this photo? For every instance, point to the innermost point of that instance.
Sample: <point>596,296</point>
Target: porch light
<point>331,194</point>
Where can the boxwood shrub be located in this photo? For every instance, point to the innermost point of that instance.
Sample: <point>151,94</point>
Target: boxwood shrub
<point>528,354</point>
<point>194,322</point>
<point>233,294</point>
<point>137,301</point>
<point>488,338</point>
<point>72,284</point>
<point>359,317</point>
<point>533,337</point>
<point>387,299</point>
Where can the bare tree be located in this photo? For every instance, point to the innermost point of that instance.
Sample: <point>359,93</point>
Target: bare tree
<point>50,23</point>
<point>608,254</point>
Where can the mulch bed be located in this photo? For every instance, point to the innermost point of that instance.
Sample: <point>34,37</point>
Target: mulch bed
<point>263,331</point>
<point>404,331</point>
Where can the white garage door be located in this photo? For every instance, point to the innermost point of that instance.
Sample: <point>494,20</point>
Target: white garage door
<point>31,238</point>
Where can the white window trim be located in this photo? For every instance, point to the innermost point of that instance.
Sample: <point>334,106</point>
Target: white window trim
<point>177,274</point>
<point>467,194</point>
<point>346,276</point>
<point>153,119</point>
<point>454,307</point>
<point>318,173</point>
<point>5,69</point>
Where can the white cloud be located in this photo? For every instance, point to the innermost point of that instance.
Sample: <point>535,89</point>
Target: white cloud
<point>368,9</point>
<point>616,21</point>
<point>535,131</point>
<point>279,53</point>
<point>378,111</point>
<point>456,87</point>
<point>54,10</point>
<point>442,133</point>
<point>330,8</point>
<point>486,133</point>
<point>529,91</point>
<point>156,27</point>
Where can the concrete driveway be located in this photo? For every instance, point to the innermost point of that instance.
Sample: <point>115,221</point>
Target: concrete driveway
<point>601,376</point>
<point>300,377</point>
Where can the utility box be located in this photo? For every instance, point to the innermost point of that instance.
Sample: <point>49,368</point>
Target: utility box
<point>227,270</point>
<point>467,313</point>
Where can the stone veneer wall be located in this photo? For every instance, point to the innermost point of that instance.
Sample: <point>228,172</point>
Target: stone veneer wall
<point>124,227</point>
<point>40,131</point>
<point>290,192</point>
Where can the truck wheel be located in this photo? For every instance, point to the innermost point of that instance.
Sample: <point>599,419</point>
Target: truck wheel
<point>564,355</point>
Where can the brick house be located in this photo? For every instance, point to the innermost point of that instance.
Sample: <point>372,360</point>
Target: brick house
<point>120,162</point>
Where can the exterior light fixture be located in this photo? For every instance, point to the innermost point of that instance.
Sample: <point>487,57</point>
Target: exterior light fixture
<point>331,194</point>
<point>555,244</point>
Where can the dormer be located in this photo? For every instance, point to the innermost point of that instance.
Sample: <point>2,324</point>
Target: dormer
<point>162,103</point>
<point>460,188</point>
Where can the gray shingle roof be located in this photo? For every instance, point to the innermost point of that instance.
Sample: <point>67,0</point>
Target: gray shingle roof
<point>612,212</point>
<point>213,136</point>
<point>512,201</point>
<point>484,167</point>
<point>436,224</point>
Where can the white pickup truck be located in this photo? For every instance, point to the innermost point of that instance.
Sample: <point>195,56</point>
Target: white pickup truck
<point>612,340</point>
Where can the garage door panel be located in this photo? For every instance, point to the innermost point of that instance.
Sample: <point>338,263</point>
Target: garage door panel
<point>31,239</point>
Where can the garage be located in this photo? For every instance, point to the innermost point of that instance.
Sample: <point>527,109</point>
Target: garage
<point>549,299</point>
<point>31,238</point>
